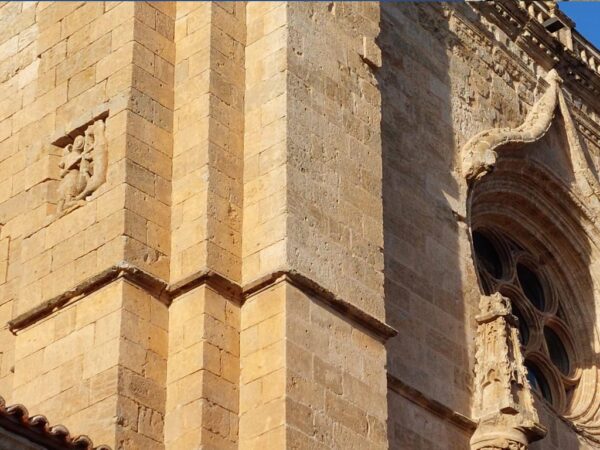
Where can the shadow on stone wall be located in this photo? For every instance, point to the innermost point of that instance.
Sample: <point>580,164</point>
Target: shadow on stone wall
<point>431,290</point>
<point>422,267</point>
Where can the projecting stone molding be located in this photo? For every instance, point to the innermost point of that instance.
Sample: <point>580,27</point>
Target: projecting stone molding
<point>479,153</point>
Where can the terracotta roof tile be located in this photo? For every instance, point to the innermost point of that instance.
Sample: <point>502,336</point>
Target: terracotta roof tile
<point>16,419</point>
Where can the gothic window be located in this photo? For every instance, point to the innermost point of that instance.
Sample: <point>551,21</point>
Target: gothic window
<point>508,268</point>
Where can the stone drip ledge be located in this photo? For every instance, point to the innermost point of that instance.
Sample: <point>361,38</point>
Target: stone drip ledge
<point>375,327</point>
<point>436,408</point>
<point>165,292</point>
<point>138,277</point>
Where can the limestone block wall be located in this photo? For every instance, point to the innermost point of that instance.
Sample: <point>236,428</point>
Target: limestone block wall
<point>310,166</point>
<point>265,137</point>
<point>100,366</point>
<point>334,163</point>
<point>215,215</point>
<point>103,47</point>
<point>336,387</point>
<point>186,93</point>
<point>101,74</point>
<point>263,350</point>
<point>128,216</point>
<point>203,371</point>
<point>203,366</point>
<point>311,170</point>
<point>431,291</point>
<point>208,138</point>
<point>308,378</point>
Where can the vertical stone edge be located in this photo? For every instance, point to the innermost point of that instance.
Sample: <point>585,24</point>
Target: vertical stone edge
<point>203,367</point>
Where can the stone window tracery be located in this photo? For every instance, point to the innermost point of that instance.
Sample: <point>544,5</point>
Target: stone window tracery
<point>514,272</point>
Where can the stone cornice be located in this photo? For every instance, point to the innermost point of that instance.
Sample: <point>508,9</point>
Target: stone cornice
<point>166,292</point>
<point>121,270</point>
<point>503,62</point>
<point>218,282</point>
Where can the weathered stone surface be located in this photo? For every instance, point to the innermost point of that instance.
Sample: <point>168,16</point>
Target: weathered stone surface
<point>216,216</point>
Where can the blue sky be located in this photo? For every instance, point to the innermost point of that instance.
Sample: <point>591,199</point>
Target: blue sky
<point>587,18</point>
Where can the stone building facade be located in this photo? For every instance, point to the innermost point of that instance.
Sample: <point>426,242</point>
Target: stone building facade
<point>301,225</point>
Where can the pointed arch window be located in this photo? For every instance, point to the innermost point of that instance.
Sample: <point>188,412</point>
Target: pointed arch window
<point>506,267</point>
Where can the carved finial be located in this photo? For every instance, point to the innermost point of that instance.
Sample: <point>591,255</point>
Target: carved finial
<point>504,405</point>
<point>553,77</point>
<point>493,306</point>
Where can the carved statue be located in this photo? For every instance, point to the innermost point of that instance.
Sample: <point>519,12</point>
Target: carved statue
<point>504,405</point>
<point>83,168</point>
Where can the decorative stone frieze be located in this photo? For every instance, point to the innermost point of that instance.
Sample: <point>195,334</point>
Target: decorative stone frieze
<point>478,41</point>
<point>576,60</point>
<point>503,404</point>
<point>82,168</point>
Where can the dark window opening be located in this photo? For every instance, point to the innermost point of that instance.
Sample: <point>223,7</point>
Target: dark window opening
<point>538,382</point>
<point>487,255</point>
<point>557,351</point>
<point>523,327</point>
<point>532,286</point>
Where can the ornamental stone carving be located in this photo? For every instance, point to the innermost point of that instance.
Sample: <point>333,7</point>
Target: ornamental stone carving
<point>503,402</point>
<point>479,153</point>
<point>82,168</point>
<point>507,445</point>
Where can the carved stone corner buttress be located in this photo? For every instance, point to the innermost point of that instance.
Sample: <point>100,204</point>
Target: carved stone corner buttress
<point>82,168</point>
<point>504,406</point>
